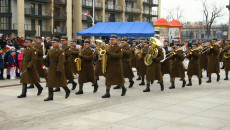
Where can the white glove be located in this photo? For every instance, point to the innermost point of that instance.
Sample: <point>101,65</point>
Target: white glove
<point>44,56</point>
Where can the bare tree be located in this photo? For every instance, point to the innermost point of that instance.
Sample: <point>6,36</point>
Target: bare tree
<point>210,15</point>
<point>175,13</point>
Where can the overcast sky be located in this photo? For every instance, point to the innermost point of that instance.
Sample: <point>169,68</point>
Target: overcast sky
<point>192,9</point>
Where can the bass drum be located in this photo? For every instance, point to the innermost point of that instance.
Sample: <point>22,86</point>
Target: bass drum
<point>185,63</point>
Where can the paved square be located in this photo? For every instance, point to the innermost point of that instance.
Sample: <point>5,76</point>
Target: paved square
<point>199,107</point>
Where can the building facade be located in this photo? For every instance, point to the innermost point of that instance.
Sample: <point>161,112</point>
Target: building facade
<point>66,17</point>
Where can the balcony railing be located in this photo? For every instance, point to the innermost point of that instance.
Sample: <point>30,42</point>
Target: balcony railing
<point>60,2</point>
<point>89,4</point>
<point>8,26</point>
<point>132,10</point>
<point>112,19</point>
<point>111,7</point>
<point>60,29</point>
<point>151,2</point>
<point>98,19</point>
<point>4,10</point>
<point>150,12</point>
<point>60,15</point>
<point>37,13</point>
<point>43,1</point>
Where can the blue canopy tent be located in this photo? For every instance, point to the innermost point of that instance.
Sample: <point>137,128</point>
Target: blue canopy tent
<point>128,29</point>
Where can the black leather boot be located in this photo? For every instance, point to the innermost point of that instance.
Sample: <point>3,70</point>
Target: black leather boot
<point>183,83</point>
<point>50,96</point>
<point>151,81</point>
<point>222,66</point>
<point>162,86</point>
<point>57,90</point>
<point>147,88</point>
<point>200,81</point>
<point>209,79</point>
<point>95,87</point>
<point>80,91</point>
<point>39,87</point>
<point>24,91</point>
<point>131,83</point>
<point>189,82</point>
<point>8,77</point>
<point>107,94</point>
<point>142,81</point>
<point>123,91</point>
<point>218,78</point>
<point>226,77</point>
<point>172,85</point>
<point>74,85</point>
<point>31,86</point>
<point>67,91</point>
<point>139,77</point>
<point>117,87</point>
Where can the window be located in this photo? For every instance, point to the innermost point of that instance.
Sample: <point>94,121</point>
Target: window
<point>4,6</point>
<point>4,23</point>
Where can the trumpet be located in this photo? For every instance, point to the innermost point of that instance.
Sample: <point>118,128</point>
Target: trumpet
<point>172,53</point>
<point>78,61</point>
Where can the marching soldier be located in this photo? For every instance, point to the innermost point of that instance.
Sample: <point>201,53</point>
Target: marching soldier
<point>194,64</point>
<point>98,59</point>
<point>143,67</point>
<point>56,72</point>
<point>166,65</point>
<point>138,47</point>
<point>74,55</point>
<point>86,74</point>
<point>39,62</point>
<point>226,60</point>
<point>126,63</point>
<point>29,74</point>
<point>134,60</point>
<point>154,67</point>
<point>67,63</point>
<point>213,61</point>
<point>114,72</point>
<point>204,58</point>
<point>177,69</point>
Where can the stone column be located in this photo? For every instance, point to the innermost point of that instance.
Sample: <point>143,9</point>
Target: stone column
<point>159,9</point>
<point>21,17</point>
<point>77,15</point>
<point>69,21</point>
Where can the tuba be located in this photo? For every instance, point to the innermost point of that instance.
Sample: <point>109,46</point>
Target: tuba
<point>103,55</point>
<point>78,61</point>
<point>226,54</point>
<point>152,51</point>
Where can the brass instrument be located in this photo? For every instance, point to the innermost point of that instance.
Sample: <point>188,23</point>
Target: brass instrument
<point>172,53</point>
<point>152,51</point>
<point>78,61</point>
<point>187,53</point>
<point>138,53</point>
<point>226,54</point>
<point>98,49</point>
<point>102,53</point>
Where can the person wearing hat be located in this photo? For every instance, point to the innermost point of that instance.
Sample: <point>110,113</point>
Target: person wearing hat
<point>39,62</point>
<point>1,65</point>
<point>138,47</point>
<point>56,73</point>
<point>213,60</point>
<point>177,69</point>
<point>74,55</point>
<point>133,60</point>
<point>143,67</point>
<point>166,64</point>
<point>114,71</point>
<point>67,63</point>
<point>194,64</point>
<point>154,69</point>
<point>86,74</point>
<point>126,63</point>
<point>29,74</point>
<point>98,58</point>
<point>11,63</point>
<point>204,58</point>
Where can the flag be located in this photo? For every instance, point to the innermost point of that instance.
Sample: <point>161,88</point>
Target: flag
<point>87,14</point>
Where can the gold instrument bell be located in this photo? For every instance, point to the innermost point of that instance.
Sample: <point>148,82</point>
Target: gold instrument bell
<point>152,51</point>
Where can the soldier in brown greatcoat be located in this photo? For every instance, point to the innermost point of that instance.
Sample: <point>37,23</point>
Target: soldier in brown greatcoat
<point>194,64</point>
<point>86,74</point>
<point>67,63</point>
<point>204,58</point>
<point>139,46</point>
<point>98,59</point>
<point>143,67</point>
<point>114,72</point>
<point>126,63</point>
<point>29,74</point>
<point>56,72</point>
<point>213,61</point>
<point>154,69</point>
<point>134,60</point>
<point>226,60</point>
<point>177,69</point>
<point>74,55</point>
<point>166,65</point>
<point>39,62</point>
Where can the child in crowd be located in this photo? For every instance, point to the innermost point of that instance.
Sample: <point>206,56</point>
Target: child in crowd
<point>1,65</point>
<point>11,63</point>
<point>20,56</point>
